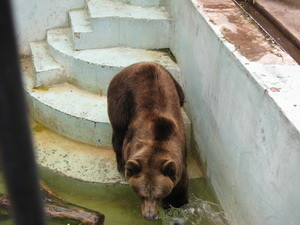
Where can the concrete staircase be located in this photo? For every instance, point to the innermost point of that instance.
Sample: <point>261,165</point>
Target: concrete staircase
<point>67,77</point>
<point>107,23</point>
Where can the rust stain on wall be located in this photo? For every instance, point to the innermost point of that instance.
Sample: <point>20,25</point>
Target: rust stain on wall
<point>241,31</point>
<point>250,43</point>
<point>244,43</point>
<point>218,6</point>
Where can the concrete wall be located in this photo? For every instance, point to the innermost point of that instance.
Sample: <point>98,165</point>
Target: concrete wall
<point>34,17</point>
<point>249,146</point>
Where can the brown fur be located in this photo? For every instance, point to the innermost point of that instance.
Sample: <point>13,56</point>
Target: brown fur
<point>144,103</point>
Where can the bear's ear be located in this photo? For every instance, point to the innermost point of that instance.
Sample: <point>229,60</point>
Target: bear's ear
<point>169,169</point>
<point>132,168</point>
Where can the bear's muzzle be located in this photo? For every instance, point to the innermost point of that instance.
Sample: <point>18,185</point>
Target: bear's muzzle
<point>150,209</point>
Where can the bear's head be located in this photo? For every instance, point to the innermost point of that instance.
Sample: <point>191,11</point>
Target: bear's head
<point>152,179</point>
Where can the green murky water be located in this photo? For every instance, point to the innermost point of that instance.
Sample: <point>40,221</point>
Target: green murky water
<point>121,206</point>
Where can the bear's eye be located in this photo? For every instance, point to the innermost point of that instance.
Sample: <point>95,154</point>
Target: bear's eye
<point>132,168</point>
<point>169,169</point>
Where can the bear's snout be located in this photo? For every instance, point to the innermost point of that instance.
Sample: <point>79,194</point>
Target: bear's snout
<point>150,209</point>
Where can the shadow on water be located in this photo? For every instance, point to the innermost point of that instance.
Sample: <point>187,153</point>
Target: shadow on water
<point>121,206</point>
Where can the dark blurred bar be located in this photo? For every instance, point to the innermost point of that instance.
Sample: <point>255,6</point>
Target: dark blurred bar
<point>16,151</point>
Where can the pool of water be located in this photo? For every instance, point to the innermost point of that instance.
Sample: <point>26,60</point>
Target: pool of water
<point>120,206</point>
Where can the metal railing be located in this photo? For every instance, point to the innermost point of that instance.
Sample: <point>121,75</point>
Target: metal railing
<point>16,151</point>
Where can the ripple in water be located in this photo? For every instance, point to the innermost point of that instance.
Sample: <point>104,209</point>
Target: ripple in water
<point>197,212</point>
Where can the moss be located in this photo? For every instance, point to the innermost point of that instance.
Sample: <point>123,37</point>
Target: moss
<point>41,88</point>
<point>38,128</point>
<point>167,52</point>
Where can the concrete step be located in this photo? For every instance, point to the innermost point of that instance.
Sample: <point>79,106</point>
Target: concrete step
<point>80,21</point>
<point>47,70</point>
<point>143,3</point>
<point>81,161</point>
<point>111,23</point>
<point>92,70</point>
<point>74,159</point>
<point>72,112</point>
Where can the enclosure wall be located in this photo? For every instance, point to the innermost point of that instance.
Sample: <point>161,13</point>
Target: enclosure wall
<point>34,17</point>
<point>250,149</point>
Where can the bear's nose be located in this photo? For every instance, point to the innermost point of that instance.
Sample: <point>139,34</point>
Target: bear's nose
<point>150,209</point>
<point>150,214</point>
<point>150,217</point>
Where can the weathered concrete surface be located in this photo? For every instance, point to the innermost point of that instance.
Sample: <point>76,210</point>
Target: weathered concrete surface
<point>81,161</point>
<point>80,21</point>
<point>92,70</point>
<point>285,15</point>
<point>33,18</point>
<point>143,3</point>
<point>74,159</point>
<point>47,70</point>
<point>72,112</point>
<point>242,99</point>
<point>237,29</point>
<point>116,24</point>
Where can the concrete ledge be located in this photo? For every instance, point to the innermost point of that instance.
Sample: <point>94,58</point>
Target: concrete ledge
<point>73,113</point>
<point>116,24</point>
<point>115,8</point>
<point>47,70</point>
<point>143,3</point>
<point>287,22</point>
<point>128,32</point>
<point>80,21</point>
<point>73,159</point>
<point>242,100</point>
<point>100,65</point>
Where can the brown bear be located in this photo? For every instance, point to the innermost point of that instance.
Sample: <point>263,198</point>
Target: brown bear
<point>149,140</point>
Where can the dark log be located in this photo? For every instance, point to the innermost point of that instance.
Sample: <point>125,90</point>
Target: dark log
<point>57,209</point>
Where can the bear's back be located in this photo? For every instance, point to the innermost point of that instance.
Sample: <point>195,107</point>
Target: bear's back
<point>152,87</point>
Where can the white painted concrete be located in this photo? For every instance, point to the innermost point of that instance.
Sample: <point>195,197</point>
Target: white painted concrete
<point>47,70</point>
<point>92,70</point>
<point>74,159</point>
<point>117,24</point>
<point>115,8</point>
<point>245,116</point>
<point>72,112</point>
<point>143,3</point>
<point>80,21</point>
<point>34,17</point>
